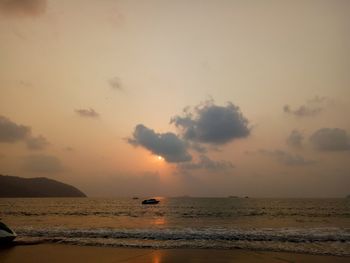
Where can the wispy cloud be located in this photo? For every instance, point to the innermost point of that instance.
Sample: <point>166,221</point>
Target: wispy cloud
<point>37,143</point>
<point>286,158</point>
<point>205,163</point>
<point>312,107</point>
<point>115,83</point>
<point>89,113</point>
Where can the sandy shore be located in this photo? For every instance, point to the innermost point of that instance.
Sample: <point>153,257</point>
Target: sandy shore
<point>68,253</point>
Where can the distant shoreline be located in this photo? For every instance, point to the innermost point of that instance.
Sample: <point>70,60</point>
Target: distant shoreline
<point>19,187</point>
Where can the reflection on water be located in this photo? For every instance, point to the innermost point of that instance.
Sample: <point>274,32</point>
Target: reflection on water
<point>160,221</point>
<point>157,256</point>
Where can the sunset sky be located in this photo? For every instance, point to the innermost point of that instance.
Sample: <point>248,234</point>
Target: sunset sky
<point>177,97</point>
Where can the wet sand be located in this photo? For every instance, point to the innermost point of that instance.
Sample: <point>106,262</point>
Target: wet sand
<point>57,253</point>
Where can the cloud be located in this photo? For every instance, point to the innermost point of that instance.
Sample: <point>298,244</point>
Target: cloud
<point>22,7</point>
<point>310,108</point>
<point>42,164</point>
<point>295,139</point>
<point>89,113</point>
<point>212,124</point>
<point>37,143</point>
<point>115,83</point>
<point>206,163</point>
<point>11,132</point>
<point>168,145</point>
<point>287,158</point>
<point>302,111</point>
<point>198,147</point>
<point>330,139</point>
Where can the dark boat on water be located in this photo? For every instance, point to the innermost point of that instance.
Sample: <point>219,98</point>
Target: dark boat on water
<point>6,234</point>
<point>151,201</point>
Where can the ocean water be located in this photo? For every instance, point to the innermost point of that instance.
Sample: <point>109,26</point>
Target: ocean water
<point>315,226</point>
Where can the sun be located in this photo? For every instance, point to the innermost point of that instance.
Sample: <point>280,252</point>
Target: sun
<point>160,158</point>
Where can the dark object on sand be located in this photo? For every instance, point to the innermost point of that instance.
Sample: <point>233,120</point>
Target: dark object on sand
<point>151,201</point>
<point>135,198</point>
<point>6,234</point>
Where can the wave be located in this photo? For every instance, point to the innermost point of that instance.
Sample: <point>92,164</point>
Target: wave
<point>330,241</point>
<point>191,214</point>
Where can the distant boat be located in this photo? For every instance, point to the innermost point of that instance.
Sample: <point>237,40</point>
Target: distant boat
<point>135,198</point>
<point>151,201</point>
<point>6,234</point>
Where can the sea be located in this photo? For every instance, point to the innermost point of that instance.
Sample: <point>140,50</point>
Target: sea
<point>313,226</point>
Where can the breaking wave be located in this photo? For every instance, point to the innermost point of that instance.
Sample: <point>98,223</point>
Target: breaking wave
<point>329,241</point>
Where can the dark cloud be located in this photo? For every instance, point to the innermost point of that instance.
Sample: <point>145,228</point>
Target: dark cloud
<point>42,164</point>
<point>295,139</point>
<point>330,139</point>
<point>22,7</point>
<point>212,124</point>
<point>287,158</point>
<point>11,132</point>
<point>198,147</point>
<point>168,145</point>
<point>310,108</point>
<point>206,163</point>
<point>115,83</point>
<point>37,143</point>
<point>89,113</point>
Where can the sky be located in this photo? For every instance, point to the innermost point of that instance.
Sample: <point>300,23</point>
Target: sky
<point>172,98</point>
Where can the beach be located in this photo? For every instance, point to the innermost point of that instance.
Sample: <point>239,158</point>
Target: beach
<point>57,253</point>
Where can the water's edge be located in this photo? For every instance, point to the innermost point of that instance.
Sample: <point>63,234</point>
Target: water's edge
<point>318,241</point>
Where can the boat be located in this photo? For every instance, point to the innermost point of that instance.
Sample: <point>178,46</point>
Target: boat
<point>151,201</point>
<point>6,234</point>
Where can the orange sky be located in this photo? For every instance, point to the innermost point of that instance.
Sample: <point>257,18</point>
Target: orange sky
<point>79,76</point>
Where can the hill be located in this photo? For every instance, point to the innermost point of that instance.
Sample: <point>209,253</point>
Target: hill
<point>13,186</point>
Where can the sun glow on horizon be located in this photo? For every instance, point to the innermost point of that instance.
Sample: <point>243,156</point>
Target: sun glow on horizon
<point>160,158</point>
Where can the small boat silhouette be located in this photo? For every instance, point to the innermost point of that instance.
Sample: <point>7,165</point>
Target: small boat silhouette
<point>150,201</point>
